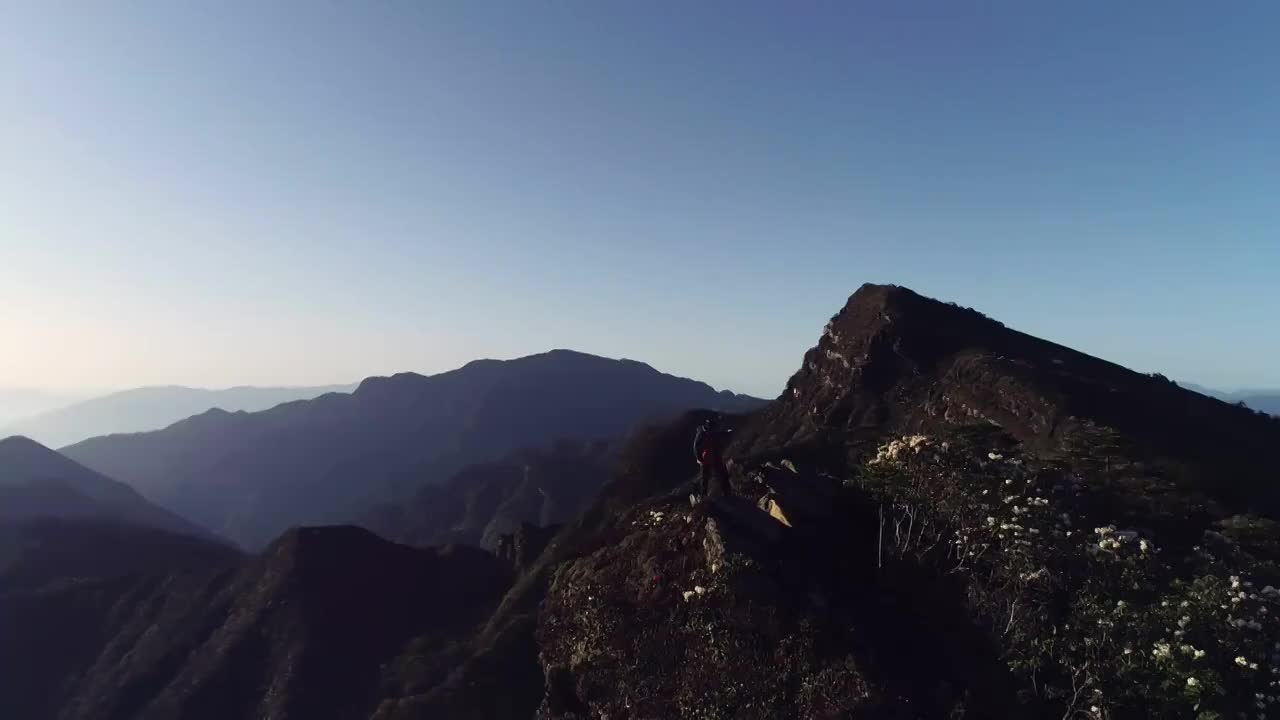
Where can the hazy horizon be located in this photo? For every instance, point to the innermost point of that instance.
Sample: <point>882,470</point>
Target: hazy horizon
<point>290,195</point>
<point>72,395</point>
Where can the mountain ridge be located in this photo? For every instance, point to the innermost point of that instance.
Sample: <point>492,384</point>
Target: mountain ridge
<point>46,551</point>
<point>328,459</point>
<point>36,481</point>
<point>484,502</point>
<point>992,500</point>
<point>896,359</point>
<point>148,408</point>
<point>941,517</point>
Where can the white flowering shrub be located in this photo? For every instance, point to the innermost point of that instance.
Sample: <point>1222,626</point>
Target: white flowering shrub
<point>1111,592</point>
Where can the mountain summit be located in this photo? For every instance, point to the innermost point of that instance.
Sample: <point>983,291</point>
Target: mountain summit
<point>252,475</point>
<point>940,517</point>
<point>893,360</point>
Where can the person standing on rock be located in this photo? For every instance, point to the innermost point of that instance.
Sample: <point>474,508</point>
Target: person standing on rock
<point>708,448</point>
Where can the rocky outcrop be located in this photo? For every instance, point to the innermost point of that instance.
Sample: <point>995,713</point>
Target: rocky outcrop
<point>723,610</point>
<point>685,617</point>
<point>893,362</point>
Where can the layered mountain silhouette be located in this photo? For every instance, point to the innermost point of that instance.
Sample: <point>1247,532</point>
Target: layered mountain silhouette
<point>940,517</point>
<point>485,502</point>
<point>149,408</point>
<point>36,482</point>
<point>249,476</point>
<point>41,552</point>
<point>311,628</point>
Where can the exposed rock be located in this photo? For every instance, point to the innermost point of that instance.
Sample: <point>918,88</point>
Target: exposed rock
<point>894,363</point>
<point>644,629</point>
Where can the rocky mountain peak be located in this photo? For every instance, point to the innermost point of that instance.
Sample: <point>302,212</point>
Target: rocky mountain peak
<point>894,361</point>
<point>885,336</point>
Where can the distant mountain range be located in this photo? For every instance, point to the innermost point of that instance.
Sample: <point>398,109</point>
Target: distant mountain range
<point>249,476</point>
<point>19,403</point>
<point>36,482</point>
<point>148,408</point>
<point>939,517</point>
<point>1267,401</point>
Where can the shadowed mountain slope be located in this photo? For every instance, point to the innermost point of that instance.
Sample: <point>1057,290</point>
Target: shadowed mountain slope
<point>149,408</point>
<point>893,360</point>
<point>305,630</point>
<point>36,482</point>
<point>484,502</point>
<point>250,475</point>
<point>37,552</point>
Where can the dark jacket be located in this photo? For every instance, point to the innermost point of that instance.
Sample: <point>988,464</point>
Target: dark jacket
<point>708,444</point>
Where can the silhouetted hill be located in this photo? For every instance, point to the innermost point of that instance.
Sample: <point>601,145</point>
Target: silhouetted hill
<point>250,475</point>
<point>38,551</point>
<point>306,630</point>
<point>37,482</point>
<point>148,408</point>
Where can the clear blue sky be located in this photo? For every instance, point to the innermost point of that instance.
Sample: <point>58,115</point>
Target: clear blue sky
<point>244,192</point>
